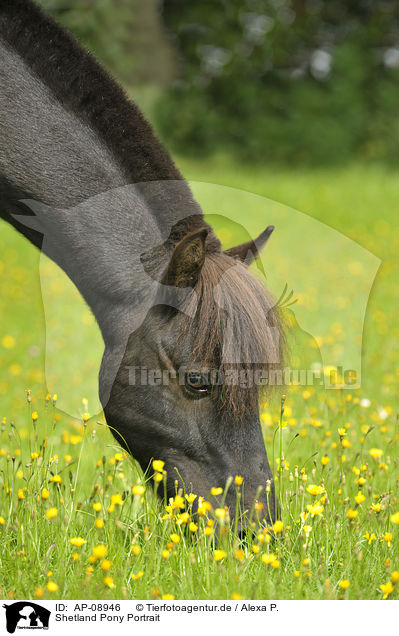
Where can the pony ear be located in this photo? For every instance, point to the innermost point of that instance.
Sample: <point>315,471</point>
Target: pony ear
<point>187,260</point>
<point>247,252</point>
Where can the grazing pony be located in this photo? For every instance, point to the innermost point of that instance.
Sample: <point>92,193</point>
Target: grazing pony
<point>186,326</point>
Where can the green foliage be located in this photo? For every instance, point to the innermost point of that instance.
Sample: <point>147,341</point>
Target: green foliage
<point>291,81</point>
<point>103,26</point>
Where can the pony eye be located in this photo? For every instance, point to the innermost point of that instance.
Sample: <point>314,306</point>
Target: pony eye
<point>197,383</point>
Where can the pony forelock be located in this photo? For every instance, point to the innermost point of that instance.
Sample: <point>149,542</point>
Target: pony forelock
<point>237,330</point>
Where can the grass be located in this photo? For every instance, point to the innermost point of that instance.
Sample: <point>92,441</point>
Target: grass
<point>344,441</point>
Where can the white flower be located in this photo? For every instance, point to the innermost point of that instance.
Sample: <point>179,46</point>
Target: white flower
<point>365,403</point>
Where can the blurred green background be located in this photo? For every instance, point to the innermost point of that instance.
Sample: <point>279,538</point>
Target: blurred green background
<point>292,81</point>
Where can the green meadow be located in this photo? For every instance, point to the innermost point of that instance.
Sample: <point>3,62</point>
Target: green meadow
<point>78,518</point>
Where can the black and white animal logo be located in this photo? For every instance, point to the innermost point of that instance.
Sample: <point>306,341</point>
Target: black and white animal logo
<point>26,615</point>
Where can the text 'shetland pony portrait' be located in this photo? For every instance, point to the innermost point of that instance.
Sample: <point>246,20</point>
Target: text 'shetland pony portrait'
<point>83,177</point>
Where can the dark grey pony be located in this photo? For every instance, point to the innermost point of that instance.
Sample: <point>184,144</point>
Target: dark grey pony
<point>186,327</point>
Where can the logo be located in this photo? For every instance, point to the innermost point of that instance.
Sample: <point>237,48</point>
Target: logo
<point>26,615</point>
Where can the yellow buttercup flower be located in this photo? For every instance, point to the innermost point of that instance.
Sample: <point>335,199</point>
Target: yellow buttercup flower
<point>219,555</point>
<point>137,576</point>
<point>177,502</point>
<point>259,506</point>
<point>360,498</point>
<point>158,465</point>
<point>8,342</point>
<point>51,513</point>
<point>269,558</point>
<point>315,509</point>
<point>387,537</point>
<point>370,537</point>
<point>204,507</point>
<point>192,526</point>
<point>216,491</point>
<point>344,584</point>
<point>117,499</point>
<point>352,514</point>
<point>56,479</point>
<point>97,506</point>
<point>238,480</point>
<point>314,490</point>
<point>395,518</point>
<point>109,582</point>
<point>278,526</point>
<point>168,597</point>
<point>100,551</point>
<point>236,597</point>
<point>52,586</point>
<point>183,517</point>
<point>376,453</point>
<point>190,497</point>
<point>387,589</point>
<point>105,565</point>
<point>175,538</point>
<point>77,542</point>
<point>45,493</point>
<point>136,549</point>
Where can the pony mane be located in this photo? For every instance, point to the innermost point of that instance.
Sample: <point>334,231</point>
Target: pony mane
<point>80,83</point>
<point>237,328</point>
<point>84,88</point>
